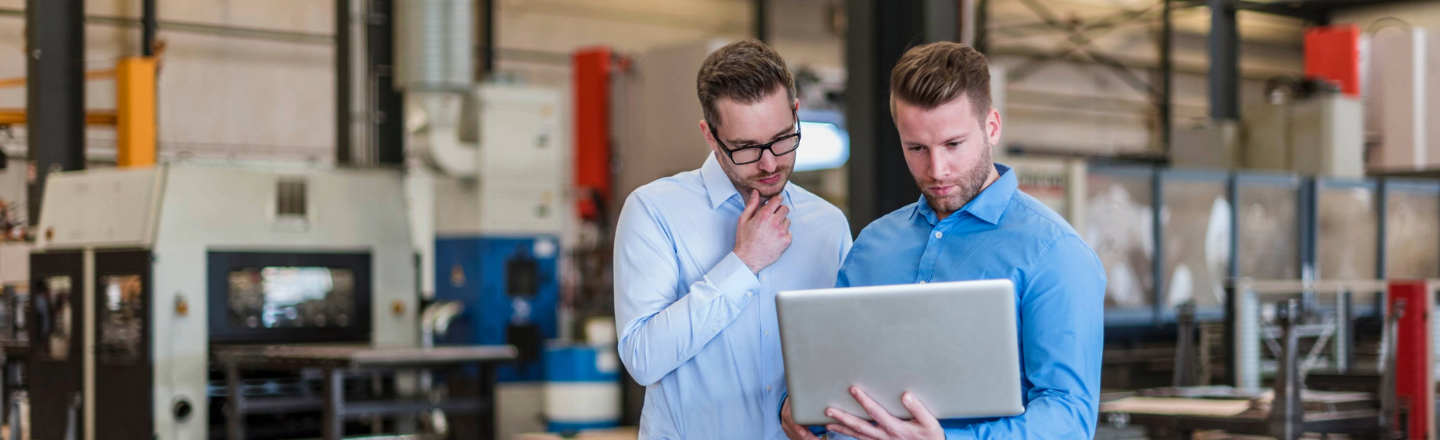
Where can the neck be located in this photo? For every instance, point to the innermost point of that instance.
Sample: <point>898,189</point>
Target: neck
<point>989,179</point>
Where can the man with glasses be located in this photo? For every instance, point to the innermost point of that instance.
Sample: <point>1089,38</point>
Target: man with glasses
<point>700,255</point>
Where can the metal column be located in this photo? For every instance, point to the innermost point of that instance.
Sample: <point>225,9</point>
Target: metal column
<point>343,143</point>
<point>386,105</point>
<point>761,21</point>
<point>486,35</point>
<point>54,92</point>
<point>879,179</point>
<point>1167,73</point>
<point>147,28</point>
<point>1224,61</point>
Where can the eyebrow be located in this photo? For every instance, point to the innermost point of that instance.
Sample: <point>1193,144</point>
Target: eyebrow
<point>956,139</point>
<point>787,130</point>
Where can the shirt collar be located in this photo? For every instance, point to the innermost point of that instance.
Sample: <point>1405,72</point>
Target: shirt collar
<point>989,205</point>
<point>721,189</point>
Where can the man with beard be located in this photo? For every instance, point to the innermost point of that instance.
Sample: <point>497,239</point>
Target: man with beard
<point>700,255</point>
<point>973,223</point>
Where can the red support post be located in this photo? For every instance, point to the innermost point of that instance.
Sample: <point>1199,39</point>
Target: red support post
<point>591,84</point>
<point>1414,356</point>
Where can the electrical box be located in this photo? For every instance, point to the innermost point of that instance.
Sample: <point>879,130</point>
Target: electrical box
<point>523,145</point>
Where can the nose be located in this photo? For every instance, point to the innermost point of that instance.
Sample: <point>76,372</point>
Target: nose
<point>768,162</point>
<point>940,168</point>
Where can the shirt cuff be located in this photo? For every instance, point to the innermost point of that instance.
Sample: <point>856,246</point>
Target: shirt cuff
<point>734,280</point>
<point>960,434</point>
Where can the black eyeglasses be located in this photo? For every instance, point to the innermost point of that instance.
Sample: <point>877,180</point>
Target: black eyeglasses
<point>752,153</point>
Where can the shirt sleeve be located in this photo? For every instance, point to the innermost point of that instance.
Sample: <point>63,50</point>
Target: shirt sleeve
<point>1062,337</point>
<point>663,323</point>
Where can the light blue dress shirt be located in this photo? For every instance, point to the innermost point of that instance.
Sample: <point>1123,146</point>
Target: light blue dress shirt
<point>696,327</point>
<point>1059,288</point>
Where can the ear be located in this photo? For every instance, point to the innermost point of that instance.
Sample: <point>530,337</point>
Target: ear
<point>992,127</point>
<point>709,137</point>
<point>796,105</point>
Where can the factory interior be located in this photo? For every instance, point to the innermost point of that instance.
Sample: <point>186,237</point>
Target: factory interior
<point>396,219</point>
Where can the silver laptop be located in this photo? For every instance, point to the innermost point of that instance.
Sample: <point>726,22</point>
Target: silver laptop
<point>951,344</point>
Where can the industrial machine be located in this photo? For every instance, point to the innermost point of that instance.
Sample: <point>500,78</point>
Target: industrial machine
<point>138,275</point>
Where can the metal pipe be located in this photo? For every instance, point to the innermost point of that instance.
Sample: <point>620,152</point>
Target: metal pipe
<point>201,28</point>
<point>1287,413</point>
<point>1344,336</point>
<point>1157,231</point>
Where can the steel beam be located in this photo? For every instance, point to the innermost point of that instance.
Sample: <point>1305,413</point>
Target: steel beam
<point>1224,61</point>
<point>761,20</point>
<point>55,92</point>
<point>343,143</point>
<point>879,179</point>
<point>386,105</point>
<point>147,28</point>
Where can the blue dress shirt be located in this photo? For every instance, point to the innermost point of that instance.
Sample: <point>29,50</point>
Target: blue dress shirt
<point>697,328</point>
<point>1059,288</point>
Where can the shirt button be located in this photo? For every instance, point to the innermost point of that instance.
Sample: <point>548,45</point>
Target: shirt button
<point>748,294</point>
<point>922,281</point>
<point>939,234</point>
<point>767,333</point>
<point>767,388</point>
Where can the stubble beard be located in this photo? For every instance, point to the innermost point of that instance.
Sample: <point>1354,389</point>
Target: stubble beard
<point>969,184</point>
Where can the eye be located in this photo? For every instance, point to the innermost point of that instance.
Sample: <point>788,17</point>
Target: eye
<point>916,148</point>
<point>953,144</point>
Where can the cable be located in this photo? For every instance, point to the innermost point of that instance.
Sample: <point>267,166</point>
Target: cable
<point>1384,22</point>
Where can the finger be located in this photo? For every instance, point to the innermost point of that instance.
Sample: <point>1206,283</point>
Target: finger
<point>783,212</point>
<point>918,412</point>
<point>775,203</point>
<point>804,434</point>
<point>855,424</point>
<point>751,205</point>
<point>785,224</point>
<point>847,431</point>
<point>877,413</point>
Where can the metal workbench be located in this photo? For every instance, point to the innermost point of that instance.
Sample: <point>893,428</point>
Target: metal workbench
<point>1286,412</point>
<point>335,362</point>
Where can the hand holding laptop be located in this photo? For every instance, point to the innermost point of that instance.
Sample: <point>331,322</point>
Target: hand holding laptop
<point>921,426</point>
<point>959,341</point>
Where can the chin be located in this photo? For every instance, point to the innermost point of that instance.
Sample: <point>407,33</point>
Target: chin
<point>770,190</point>
<point>948,203</point>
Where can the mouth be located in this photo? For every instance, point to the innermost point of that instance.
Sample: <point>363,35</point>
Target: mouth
<point>770,180</point>
<point>941,190</point>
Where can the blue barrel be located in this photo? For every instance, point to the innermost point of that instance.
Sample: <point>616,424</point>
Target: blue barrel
<point>582,388</point>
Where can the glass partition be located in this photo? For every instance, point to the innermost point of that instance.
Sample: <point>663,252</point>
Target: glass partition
<point>1119,228</point>
<point>1195,219</point>
<point>1412,230</point>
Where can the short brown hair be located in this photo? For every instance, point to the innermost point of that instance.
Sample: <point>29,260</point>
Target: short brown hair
<point>931,75</point>
<point>745,71</point>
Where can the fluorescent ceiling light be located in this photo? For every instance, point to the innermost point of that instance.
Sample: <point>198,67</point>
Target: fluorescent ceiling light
<point>823,146</point>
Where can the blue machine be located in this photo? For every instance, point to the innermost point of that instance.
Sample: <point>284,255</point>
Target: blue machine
<point>510,286</point>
